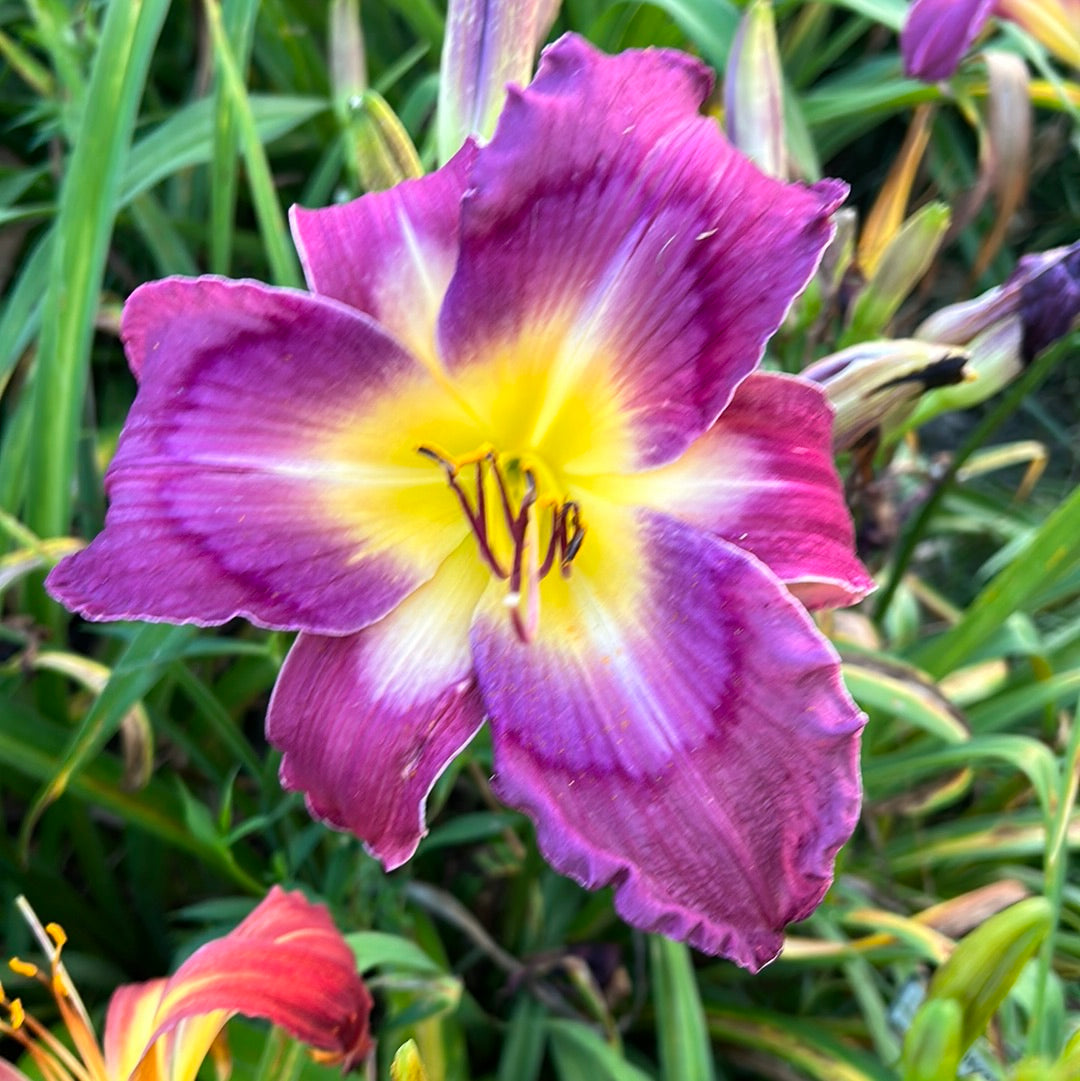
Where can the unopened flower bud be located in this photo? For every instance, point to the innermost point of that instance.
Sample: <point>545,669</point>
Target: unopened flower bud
<point>488,44</point>
<point>1005,328</point>
<point>385,154</point>
<point>986,964</point>
<point>754,91</point>
<point>899,270</point>
<point>932,1047</point>
<point>407,1064</point>
<point>994,361</point>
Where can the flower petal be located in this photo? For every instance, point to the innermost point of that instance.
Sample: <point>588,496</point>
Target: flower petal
<point>262,470</point>
<point>937,33</point>
<point>369,722</point>
<point>129,1028</point>
<point>618,225</point>
<point>286,962</point>
<point>390,253</point>
<point>702,756</point>
<point>763,478</point>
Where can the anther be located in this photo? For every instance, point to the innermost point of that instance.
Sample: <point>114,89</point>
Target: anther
<point>530,560</point>
<point>24,968</point>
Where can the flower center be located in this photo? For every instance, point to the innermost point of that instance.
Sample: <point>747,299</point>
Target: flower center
<point>522,528</point>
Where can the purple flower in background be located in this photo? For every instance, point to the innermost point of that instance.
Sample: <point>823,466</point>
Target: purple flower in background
<point>511,459</point>
<point>937,33</point>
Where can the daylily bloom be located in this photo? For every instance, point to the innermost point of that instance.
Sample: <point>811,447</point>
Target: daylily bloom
<point>286,962</point>
<point>937,33</point>
<point>511,459</point>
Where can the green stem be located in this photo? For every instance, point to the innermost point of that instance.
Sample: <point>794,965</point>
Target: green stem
<point>1057,861</point>
<point>1010,400</point>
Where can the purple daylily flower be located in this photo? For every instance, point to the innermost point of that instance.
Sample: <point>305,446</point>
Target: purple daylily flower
<point>511,459</point>
<point>937,33</point>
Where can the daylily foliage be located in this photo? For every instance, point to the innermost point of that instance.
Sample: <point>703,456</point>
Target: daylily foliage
<point>286,963</point>
<point>511,459</point>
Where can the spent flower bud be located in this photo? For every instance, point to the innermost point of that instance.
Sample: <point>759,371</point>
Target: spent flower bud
<point>1005,328</point>
<point>875,386</point>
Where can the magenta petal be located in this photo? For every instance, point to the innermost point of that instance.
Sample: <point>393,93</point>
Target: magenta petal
<point>390,253</point>
<point>702,757</point>
<point>369,722</point>
<point>763,478</point>
<point>225,496</point>
<point>937,33</point>
<point>606,206</point>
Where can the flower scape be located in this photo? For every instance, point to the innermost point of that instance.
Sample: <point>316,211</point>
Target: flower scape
<point>511,459</point>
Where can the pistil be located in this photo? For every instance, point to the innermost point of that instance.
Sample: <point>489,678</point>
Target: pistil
<point>526,567</point>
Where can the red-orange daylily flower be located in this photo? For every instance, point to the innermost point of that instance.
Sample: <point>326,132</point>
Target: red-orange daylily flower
<point>286,962</point>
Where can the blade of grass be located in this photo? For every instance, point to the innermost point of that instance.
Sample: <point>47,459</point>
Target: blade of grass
<point>579,1052</point>
<point>187,137</point>
<point>151,648</point>
<point>709,24</point>
<point>807,1047</point>
<point>31,745</point>
<point>1007,404</point>
<point>239,22</point>
<point>284,267</point>
<point>1054,551</point>
<point>216,716</point>
<point>87,208</point>
<point>523,1049</point>
<point>1057,859</point>
<point>682,1035</point>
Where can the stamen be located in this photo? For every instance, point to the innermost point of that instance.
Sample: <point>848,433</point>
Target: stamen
<point>72,1010</point>
<point>24,968</point>
<point>522,524</point>
<point>477,518</point>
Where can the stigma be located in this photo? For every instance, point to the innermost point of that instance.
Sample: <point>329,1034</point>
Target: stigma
<point>522,531</point>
